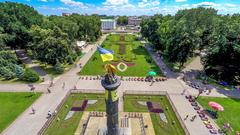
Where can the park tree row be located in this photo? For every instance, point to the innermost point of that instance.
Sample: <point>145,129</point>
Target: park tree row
<point>189,31</point>
<point>49,39</point>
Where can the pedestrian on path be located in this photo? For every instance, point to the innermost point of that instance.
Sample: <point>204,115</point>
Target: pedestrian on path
<point>49,114</point>
<point>33,89</point>
<point>63,86</point>
<point>80,65</point>
<point>184,91</point>
<point>33,110</point>
<point>194,117</point>
<point>152,81</point>
<point>209,91</point>
<point>49,91</point>
<point>51,84</point>
<point>186,117</point>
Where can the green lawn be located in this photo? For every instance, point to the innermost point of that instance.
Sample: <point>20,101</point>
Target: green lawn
<point>231,110</point>
<point>160,127</point>
<point>68,127</point>
<point>126,49</point>
<point>12,104</point>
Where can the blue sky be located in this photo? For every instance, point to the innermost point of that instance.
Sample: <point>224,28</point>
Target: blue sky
<point>127,7</point>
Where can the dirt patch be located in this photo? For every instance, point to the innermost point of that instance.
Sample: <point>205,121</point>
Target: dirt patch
<point>77,103</point>
<point>156,105</point>
<point>122,37</point>
<point>129,64</point>
<point>122,48</point>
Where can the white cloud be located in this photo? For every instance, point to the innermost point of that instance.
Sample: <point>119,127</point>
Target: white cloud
<point>230,5</point>
<point>205,4</point>
<point>180,0</point>
<point>56,9</point>
<point>115,2</point>
<point>146,3</point>
<point>73,3</point>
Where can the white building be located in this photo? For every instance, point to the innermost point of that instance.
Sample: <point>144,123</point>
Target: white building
<point>108,24</point>
<point>134,21</point>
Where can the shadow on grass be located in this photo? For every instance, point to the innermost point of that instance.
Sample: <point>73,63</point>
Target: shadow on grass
<point>140,50</point>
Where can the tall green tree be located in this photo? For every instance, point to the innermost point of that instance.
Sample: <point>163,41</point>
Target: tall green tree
<point>15,20</point>
<point>122,20</point>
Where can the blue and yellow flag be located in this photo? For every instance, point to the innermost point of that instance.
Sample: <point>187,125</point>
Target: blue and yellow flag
<point>106,55</point>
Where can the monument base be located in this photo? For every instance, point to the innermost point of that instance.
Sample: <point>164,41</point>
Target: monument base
<point>129,123</point>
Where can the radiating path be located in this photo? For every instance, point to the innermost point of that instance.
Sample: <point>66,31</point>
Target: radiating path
<point>27,124</point>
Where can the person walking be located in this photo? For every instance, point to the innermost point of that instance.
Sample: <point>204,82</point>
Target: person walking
<point>186,117</point>
<point>209,91</point>
<point>49,91</point>
<point>49,114</point>
<point>33,89</point>
<point>194,117</point>
<point>63,86</point>
<point>33,110</point>
<point>80,65</point>
<point>184,91</point>
<point>152,81</point>
<point>51,84</point>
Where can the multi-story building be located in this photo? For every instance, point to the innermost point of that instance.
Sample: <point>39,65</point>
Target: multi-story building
<point>108,24</point>
<point>66,14</point>
<point>134,21</point>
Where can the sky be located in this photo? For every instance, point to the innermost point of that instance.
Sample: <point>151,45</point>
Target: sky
<point>127,7</point>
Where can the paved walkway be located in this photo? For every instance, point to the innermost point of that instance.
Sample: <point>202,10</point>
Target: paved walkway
<point>194,65</point>
<point>167,71</point>
<point>22,87</point>
<point>28,124</point>
<point>27,60</point>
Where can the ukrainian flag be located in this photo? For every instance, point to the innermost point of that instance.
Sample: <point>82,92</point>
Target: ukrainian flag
<point>106,55</point>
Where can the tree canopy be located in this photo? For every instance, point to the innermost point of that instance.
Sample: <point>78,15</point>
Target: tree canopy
<point>189,31</point>
<point>49,39</point>
<point>122,20</point>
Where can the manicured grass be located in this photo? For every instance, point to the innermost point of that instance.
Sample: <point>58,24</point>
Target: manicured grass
<point>133,52</point>
<point>160,127</point>
<point>69,126</point>
<point>12,104</point>
<point>231,110</point>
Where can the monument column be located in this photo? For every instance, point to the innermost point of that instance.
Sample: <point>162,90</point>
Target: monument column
<point>111,82</point>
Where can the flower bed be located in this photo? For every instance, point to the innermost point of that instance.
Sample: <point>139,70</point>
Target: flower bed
<point>152,109</point>
<point>81,108</point>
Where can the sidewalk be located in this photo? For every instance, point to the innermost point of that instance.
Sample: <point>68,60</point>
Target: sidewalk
<point>28,124</point>
<point>22,87</point>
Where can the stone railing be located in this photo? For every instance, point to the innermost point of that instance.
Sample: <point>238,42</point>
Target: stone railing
<point>169,99</point>
<point>145,92</point>
<point>50,120</point>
